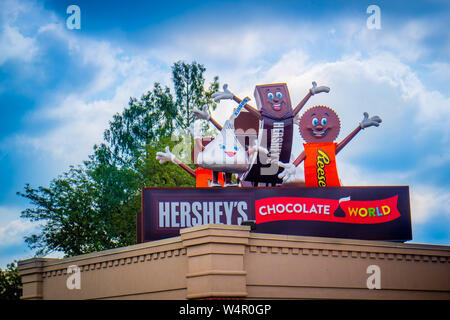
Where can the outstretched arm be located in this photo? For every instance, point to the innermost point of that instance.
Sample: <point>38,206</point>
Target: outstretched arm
<point>185,167</point>
<point>248,107</point>
<point>347,139</point>
<point>366,122</point>
<point>169,156</point>
<point>227,94</point>
<point>315,89</point>
<point>300,158</point>
<point>203,114</point>
<point>196,132</point>
<point>256,148</point>
<point>215,123</point>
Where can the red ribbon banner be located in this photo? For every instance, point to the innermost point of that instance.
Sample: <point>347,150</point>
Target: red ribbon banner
<point>313,209</point>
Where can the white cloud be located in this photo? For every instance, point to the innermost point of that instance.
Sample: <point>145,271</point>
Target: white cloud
<point>13,232</point>
<point>14,43</point>
<point>13,229</point>
<point>405,41</point>
<point>80,124</point>
<point>16,46</point>
<point>82,117</point>
<point>8,213</point>
<point>428,202</point>
<point>11,9</point>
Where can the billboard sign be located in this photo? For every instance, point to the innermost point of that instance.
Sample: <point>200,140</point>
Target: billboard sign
<point>369,213</point>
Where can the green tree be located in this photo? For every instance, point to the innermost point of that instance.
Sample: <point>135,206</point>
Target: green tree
<point>93,206</point>
<point>69,210</point>
<point>190,91</point>
<point>10,283</point>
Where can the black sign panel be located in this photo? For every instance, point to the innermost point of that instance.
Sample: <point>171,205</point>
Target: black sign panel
<point>370,213</point>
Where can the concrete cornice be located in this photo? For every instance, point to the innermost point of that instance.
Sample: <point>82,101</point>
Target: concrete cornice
<point>211,261</point>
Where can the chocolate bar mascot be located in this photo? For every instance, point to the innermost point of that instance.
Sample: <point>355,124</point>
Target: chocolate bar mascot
<point>319,127</point>
<point>275,131</point>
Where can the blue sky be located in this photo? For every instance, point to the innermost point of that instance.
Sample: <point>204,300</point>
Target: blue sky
<point>60,87</point>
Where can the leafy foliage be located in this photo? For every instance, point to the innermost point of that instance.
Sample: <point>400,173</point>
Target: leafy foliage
<point>190,92</point>
<point>10,283</point>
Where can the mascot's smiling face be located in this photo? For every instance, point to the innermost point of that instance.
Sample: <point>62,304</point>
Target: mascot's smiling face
<point>319,124</point>
<point>273,100</point>
<point>224,153</point>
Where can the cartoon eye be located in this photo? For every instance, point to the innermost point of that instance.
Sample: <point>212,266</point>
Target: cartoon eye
<point>222,147</point>
<point>324,121</point>
<point>279,95</point>
<point>270,95</point>
<point>315,122</point>
<point>235,148</point>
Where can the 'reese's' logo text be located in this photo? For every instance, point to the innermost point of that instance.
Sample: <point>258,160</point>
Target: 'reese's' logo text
<point>322,160</point>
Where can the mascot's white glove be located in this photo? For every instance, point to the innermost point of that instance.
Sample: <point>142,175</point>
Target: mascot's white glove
<point>288,174</point>
<point>226,94</point>
<point>165,156</point>
<point>201,114</point>
<point>368,122</point>
<point>315,89</point>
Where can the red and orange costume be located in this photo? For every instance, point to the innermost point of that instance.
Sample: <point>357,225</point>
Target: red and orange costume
<point>320,165</point>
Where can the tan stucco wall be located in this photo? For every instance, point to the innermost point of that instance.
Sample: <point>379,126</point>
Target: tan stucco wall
<point>230,261</point>
<point>145,271</point>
